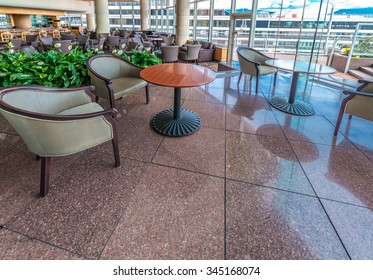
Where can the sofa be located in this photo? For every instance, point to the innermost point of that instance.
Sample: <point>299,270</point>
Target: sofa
<point>206,52</point>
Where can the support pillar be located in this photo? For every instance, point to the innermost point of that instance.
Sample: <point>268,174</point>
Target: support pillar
<point>22,21</point>
<point>91,22</point>
<point>102,16</point>
<point>144,14</point>
<point>182,21</point>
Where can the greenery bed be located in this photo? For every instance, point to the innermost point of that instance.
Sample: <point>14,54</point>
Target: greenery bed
<point>53,70</point>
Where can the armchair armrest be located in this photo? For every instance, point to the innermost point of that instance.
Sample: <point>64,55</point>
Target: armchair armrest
<point>354,92</point>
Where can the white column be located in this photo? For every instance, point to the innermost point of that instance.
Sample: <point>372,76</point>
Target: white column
<point>91,22</point>
<point>144,14</point>
<point>102,16</point>
<point>182,21</point>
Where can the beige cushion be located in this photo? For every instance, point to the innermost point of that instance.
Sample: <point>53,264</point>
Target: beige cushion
<point>82,109</point>
<point>126,85</point>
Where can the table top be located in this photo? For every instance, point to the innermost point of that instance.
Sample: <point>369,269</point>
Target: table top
<point>300,66</point>
<point>178,75</point>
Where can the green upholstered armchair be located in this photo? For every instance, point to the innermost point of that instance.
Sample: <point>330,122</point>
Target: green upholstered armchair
<point>115,77</point>
<point>58,122</point>
<point>252,63</point>
<point>358,103</point>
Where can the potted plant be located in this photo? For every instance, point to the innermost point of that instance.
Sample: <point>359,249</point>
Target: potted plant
<point>361,57</point>
<point>142,59</point>
<point>44,68</point>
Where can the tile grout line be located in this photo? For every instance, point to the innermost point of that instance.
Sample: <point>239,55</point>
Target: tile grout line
<point>319,199</point>
<point>44,242</point>
<point>225,182</point>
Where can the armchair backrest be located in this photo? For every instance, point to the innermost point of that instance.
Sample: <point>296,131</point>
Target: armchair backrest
<point>6,36</point>
<point>168,41</point>
<point>250,60</point>
<point>33,112</point>
<point>170,53</point>
<point>362,106</point>
<point>113,41</point>
<point>17,43</point>
<point>193,51</point>
<point>62,46</point>
<point>105,67</point>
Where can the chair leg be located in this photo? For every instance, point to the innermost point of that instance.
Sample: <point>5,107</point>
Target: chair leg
<point>341,112</point>
<point>147,93</point>
<point>274,83</point>
<point>44,175</point>
<point>239,78</point>
<point>116,151</point>
<point>114,141</point>
<point>257,84</point>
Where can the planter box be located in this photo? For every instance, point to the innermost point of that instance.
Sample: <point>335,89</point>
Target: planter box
<point>339,62</point>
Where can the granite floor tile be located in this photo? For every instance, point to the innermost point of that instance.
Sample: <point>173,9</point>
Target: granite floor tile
<point>268,224</point>
<point>137,139</point>
<point>369,154</point>
<point>337,173</point>
<point>82,209</point>
<point>264,160</point>
<point>173,214</point>
<point>20,179</point>
<point>358,131</point>
<point>203,151</point>
<point>354,226</point>
<point>8,143</point>
<point>212,115</point>
<point>206,94</point>
<point>15,246</point>
<point>247,100</point>
<point>135,106</point>
<point>314,129</point>
<point>19,175</point>
<point>252,120</point>
<point>5,126</point>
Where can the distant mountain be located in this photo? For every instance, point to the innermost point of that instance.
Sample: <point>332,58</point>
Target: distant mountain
<point>355,11</point>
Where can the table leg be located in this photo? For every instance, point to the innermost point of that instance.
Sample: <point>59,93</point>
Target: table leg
<point>176,122</point>
<point>291,105</point>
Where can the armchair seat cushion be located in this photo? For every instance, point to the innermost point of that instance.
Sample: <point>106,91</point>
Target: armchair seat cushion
<point>267,70</point>
<point>82,109</point>
<point>125,85</point>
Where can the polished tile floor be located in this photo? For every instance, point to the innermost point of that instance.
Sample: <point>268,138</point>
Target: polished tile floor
<point>251,183</point>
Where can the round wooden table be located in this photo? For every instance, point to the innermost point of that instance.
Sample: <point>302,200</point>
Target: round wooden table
<point>176,121</point>
<point>291,105</point>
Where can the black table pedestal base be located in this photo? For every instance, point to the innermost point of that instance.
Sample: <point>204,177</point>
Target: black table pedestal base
<point>187,123</point>
<point>299,108</point>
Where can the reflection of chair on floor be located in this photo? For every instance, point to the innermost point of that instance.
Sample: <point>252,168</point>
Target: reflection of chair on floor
<point>115,77</point>
<point>251,63</point>
<point>57,122</point>
<point>358,103</point>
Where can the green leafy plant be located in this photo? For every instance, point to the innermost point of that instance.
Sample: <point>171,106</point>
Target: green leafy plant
<point>363,49</point>
<point>45,68</point>
<point>144,59</point>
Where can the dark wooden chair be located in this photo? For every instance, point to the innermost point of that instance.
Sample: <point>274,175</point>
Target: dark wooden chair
<point>55,122</point>
<point>115,77</point>
<point>358,103</point>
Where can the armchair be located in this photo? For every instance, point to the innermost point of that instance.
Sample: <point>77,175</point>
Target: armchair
<point>168,54</point>
<point>115,77</point>
<point>358,103</point>
<point>252,63</point>
<point>189,53</point>
<point>56,122</point>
